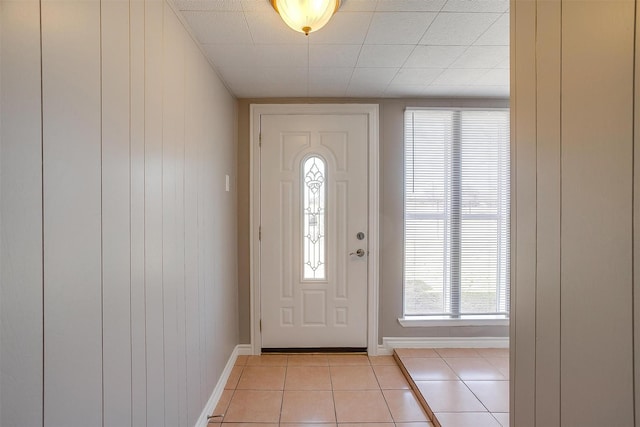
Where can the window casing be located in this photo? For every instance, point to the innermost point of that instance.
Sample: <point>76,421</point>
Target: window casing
<point>456,243</point>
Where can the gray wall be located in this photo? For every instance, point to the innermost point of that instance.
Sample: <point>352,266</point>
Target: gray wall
<point>118,286</point>
<point>391,215</point>
<point>575,131</point>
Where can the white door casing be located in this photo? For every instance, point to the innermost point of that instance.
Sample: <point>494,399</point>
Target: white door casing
<point>291,308</point>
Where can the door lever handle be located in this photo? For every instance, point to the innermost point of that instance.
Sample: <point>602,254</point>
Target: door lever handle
<point>359,252</point>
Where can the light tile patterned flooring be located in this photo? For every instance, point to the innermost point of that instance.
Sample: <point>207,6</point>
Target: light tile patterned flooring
<point>328,390</point>
<point>461,387</point>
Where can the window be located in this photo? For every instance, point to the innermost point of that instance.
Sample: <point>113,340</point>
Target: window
<point>456,243</point>
<point>313,212</point>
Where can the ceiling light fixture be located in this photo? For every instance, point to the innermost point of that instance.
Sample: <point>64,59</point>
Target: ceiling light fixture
<point>306,16</point>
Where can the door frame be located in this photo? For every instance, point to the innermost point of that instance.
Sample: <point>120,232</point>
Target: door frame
<point>372,112</point>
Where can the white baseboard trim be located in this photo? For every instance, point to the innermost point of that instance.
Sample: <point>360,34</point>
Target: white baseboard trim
<point>384,351</point>
<point>389,343</point>
<point>241,349</point>
<point>244,349</point>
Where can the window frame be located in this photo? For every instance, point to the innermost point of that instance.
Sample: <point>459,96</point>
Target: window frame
<point>457,319</point>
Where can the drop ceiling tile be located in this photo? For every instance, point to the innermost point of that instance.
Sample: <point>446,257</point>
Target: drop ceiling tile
<point>219,27</point>
<point>459,77</point>
<point>495,77</point>
<point>410,5</point>
<point>343,28</point>
<point>220,5</point>
<point>373,76</point>
<point>255,5</point>
<point>329,82</point>
<point>433,56</point>
<point>231,55</point>
<point>266,82</point>
<point>476,6</point>
<point>504,64</point>
<point>358,6</point>
<point>364,91</point>
<point>416,76</point>
<point>333,55</point>
<point>378,55</point>
<point>330,76</point>
<point>482,57</point>
<point>267,27</point>
<point>458,91</point>
<point>404,91</point>
<point>497,34</point>
<point>458,28</point>
<point>398,27</point>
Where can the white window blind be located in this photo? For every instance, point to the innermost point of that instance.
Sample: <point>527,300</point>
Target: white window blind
<point>456,243</point>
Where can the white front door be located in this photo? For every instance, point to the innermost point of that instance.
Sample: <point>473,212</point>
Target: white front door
<point>314,230</point>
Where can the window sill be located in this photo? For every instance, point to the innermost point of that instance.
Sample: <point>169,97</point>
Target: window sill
<point>430,321</point>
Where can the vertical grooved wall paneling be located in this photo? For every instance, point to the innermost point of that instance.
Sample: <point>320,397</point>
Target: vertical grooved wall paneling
<point>596,240</point>
<point>137,225</point>
<point>115,312</point>
<point>153,212</point>
<point>72,207</point>
<point>192,301</point>
<point>21,296</point>
<point>116,208</point>
<point>548,215</point>
<point>523,273</point>
<point>574,77</point>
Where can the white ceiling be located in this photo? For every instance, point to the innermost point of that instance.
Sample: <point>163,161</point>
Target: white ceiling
<point>370,48</point>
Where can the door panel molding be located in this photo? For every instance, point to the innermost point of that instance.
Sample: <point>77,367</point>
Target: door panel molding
<point>372,113</point>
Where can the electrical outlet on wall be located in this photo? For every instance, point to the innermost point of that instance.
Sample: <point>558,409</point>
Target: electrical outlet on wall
<point>226,182</point>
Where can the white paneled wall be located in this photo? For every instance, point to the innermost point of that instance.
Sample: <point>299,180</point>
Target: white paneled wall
<point>118,293</point>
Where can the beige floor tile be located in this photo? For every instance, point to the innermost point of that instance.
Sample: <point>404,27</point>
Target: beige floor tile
<point>501,363</point>
<point>390,377</point>
<point>468,419</point>
<point>308,378</point>
<point>449,396</point>
<point>308,407</point>
<point>223,403</point>
<point>361,407</point>
<point>421,424</point>
<point>348,359</point>
<point>404,406</point>
<point>234,377</point>
<point>493,394</point>
<point>308,360</point>
<point>246,425</point>
<point>262,378</point>
<point>254,406</point>
<point>366,425</point>
<point>383,360</point>
<point>427,369</point>
<point>475,368</point>
<point>268,360</point>
<point>305,425</point>
<point>493,352</point>
<point>457,352</point>
<point>502,417</point>
<point>353,378</point>
<point>416,352</point>
<point>241,360</point>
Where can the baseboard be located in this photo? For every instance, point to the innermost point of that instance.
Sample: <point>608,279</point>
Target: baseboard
<point>241,349</point>
<point>384,351</point>
<point>389,343</point>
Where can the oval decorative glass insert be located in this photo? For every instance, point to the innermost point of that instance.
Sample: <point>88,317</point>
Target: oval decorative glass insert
<point>313,212</point>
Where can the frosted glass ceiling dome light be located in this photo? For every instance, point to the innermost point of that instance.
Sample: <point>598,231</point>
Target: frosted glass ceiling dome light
<point>306,16</point>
